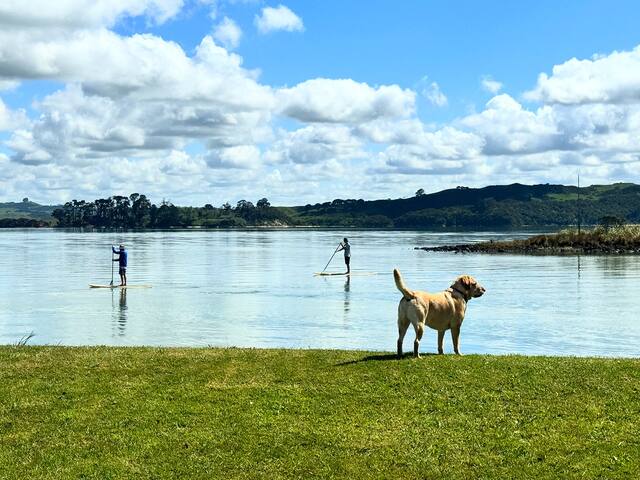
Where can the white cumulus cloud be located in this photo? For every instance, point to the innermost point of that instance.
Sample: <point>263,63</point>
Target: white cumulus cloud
<point>82,13</point>
<point>272,19</point>
<point>11,119</point>
<point>490,85</point>
<point>314,144</point>
<point>228,33</point>
<point>344,101</point>
<point>238,156</point>
<point>435,95</point>
<point>613,78</point>
<point>509,128</point>
<point>445,151</point>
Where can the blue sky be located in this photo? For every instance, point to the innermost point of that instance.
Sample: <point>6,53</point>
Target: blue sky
<point>330,99</point>
<point>451,42</point>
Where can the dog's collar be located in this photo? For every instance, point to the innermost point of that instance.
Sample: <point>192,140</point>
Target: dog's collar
<point>464,295</point>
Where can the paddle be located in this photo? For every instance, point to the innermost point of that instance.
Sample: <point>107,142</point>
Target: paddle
<point>111,284</point>
<point>336,251</point>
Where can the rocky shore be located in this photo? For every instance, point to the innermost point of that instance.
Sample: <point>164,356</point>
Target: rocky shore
<point>598,241</point>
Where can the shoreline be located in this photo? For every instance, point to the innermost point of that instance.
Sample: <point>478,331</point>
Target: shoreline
<point>294,350</point>
<point>532,229</point>
<point>602,240</point>
<point>473,248</point>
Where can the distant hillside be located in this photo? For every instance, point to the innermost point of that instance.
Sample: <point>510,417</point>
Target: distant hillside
<point>494,206</point>
<point>502,206</point>
<point>26,209</point>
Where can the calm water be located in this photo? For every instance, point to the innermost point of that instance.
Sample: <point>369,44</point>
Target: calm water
<point>256,288</point>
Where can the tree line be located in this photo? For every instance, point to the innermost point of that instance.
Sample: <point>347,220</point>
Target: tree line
<point>505,206</point>
<point>136,211</point>
<point>22,223</point>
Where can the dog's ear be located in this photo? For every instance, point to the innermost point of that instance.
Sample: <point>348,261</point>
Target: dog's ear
<point>467,281</point>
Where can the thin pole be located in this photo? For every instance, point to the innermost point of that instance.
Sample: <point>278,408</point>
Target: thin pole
<point>336,251</point>
<point>111,284</point>
<point>579,209</point>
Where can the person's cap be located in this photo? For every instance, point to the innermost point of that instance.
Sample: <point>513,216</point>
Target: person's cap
<point>121,246</point>
<point>345,239</point>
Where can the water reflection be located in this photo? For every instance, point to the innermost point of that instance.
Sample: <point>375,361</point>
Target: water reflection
<point>347,297</point>
<point>617,265</point>
<point>579,270</point>
<point>120,312</point>
<point>579,279</point>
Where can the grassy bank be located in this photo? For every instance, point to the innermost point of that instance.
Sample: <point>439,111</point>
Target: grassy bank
<point>599,240</point>
<point>236,413</point>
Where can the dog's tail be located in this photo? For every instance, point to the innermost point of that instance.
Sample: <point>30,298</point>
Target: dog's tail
<point>408,294</point>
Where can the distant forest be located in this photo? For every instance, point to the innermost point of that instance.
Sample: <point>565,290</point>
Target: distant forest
<point>504,206</point>
<point>136,211</point>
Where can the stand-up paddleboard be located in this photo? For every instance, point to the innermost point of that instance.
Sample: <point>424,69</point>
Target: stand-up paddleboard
<point>343,274</point>
<point>91,285</point>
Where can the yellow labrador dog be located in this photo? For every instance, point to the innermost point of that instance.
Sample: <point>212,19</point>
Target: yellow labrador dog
<point>441,311</point>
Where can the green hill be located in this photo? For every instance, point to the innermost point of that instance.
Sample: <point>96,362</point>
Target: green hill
<point>26,210</point>
<point>513,205</point>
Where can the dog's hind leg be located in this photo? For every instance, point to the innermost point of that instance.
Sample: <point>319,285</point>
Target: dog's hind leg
<point>403,325</point>
<point>417,315</point>
<point>419,328</point>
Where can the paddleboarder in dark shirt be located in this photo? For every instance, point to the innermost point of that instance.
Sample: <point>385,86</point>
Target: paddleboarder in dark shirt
<point>122,263</point>
<point>347,253</point>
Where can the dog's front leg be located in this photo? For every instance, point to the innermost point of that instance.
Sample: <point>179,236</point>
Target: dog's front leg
<point>440,342</point>
<point>455,338</point>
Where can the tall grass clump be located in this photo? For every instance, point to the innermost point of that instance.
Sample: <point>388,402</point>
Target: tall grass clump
<point>619,234</point>
<point>24,340</point>
<point>606,235</point>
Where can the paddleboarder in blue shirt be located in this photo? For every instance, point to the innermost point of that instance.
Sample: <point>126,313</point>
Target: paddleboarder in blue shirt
<point>347,253</point>
<point>122,263</point>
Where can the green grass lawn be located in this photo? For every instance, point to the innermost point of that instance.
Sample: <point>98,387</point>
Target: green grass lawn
<point>239,413</point>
